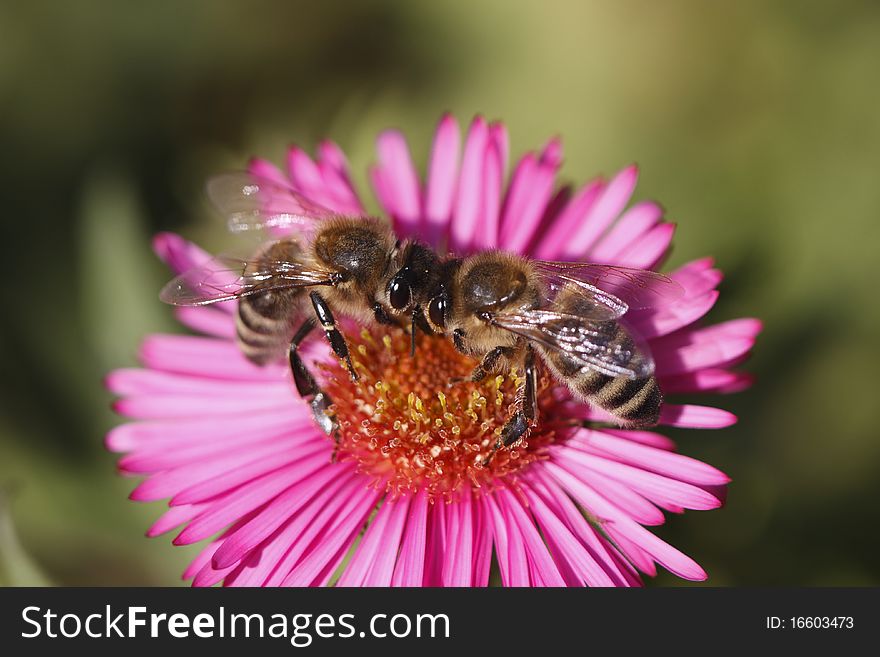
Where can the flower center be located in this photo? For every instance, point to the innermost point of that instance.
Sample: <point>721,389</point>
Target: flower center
<point>408,422</point>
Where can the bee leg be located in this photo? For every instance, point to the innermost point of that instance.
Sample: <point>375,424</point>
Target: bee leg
<point>490,360</point>
<point>334,337</point>
<point>526,417</point>
<point>486,366</point>
<point>418,322</point>
<point>308,388</point>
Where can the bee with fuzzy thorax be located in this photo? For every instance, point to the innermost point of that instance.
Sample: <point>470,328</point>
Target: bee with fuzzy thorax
<point>506,310</point>
<point>503,309</point>
<point>290,286</point>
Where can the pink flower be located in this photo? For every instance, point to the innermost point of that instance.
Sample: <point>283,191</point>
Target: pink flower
<point>245,468</point>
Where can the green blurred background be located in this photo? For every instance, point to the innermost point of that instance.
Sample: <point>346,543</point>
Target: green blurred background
<point>755,124</point>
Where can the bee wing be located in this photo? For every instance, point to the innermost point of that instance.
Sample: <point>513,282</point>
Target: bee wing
<point>589,342</point>
<point>252,202</point>
<point>226,277</point>
<point>617,288</point>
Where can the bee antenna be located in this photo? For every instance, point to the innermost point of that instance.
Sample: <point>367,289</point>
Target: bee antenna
<point>412,334</point>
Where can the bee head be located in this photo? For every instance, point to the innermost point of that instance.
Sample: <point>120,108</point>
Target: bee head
<point>439,299</point>
<point>438,308</point>
<point>416,273</point>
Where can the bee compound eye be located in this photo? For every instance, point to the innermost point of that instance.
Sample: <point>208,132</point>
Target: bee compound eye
<point>437,311</point>
<point>398,294</point>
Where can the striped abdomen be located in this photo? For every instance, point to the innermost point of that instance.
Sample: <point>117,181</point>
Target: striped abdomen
<point>635,402</point>
<point>264,323</point>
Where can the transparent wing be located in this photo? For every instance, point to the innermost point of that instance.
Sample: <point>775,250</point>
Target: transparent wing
<point>226,277</point>
<point>254,203</point>
<point>616,288</point>
<point>604,346</point>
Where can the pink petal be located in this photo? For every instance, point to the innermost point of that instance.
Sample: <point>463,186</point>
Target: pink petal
<point>139,435</point>
<point>673,317</point>
<point>331,156</point>
<point>168,483</point>
<point>334,170</point>
<point>542,569</point>
<point>274,556</point>
<point>306,177</point>
<point>498,135</point>
<point>649,249</point>
<point>575,563</point>
<point>294,535</point>
<point>555,207</point>
<point>179,254</point>
<point>621,495</point>
<point>708,380</point>
<point>634,553</point>
<point>493,172</point>
<point>631,227</point>
<point>435,555</point>
<point>373,562</point>
<point>467,216</point>
<point>174,517</point>
<point>442,179</point>
<point>248,498</point>
<point>207,576</point>
<point>748,327</point>
<point>298,539</point>
<point>148,462</point>
<point>202,559</point>
<point>162,457</point>
<point>274,514</point>
<point>551,245</point>
<point>264,169</point>
<point>141,382</point>
<point>691,416</point>
<point>565,509</point>
<point>156,406</point>
<point>482,545</point>
<point>660,461</point>
<point>649,438</point>
<point>210,321</point>
<point>410,567</point>
<point>602,213</point>
<point>690,350</point>
<point>458,569</point>
<point>621,527</point>
<point>655,487</point>
<point>698,276</point>
<point>215,483</point>
<point>401,193</point>
<point>530,190</point>
<point>513,223</point>
<point>509,550</point>
<point>201,356</point>
<point>335,540</point>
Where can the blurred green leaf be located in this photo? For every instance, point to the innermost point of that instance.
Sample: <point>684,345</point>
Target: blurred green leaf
<point>17,568</point>
<point>120,277</point>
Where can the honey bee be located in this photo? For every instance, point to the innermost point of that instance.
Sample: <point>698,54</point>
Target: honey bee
<point>506,310</point>
<point>291,285</point>
<point>503,309</point>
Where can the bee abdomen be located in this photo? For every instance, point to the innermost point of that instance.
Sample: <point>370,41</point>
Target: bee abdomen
<point>636,402</point>
<point>263,324</point>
